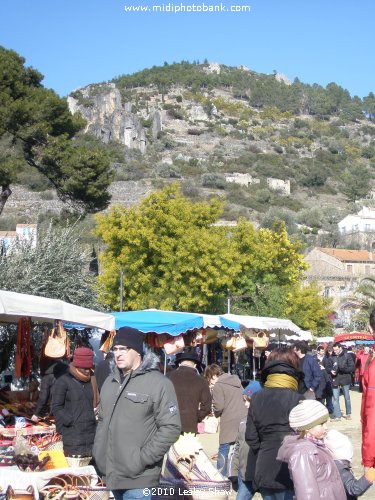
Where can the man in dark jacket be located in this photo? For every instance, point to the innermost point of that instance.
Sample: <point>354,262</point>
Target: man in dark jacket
<point>310,368</point>
<point>193,391</point>
<point>341,367</point>
<point>138,419</point>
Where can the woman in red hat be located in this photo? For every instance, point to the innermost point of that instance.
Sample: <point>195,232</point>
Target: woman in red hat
<point>74,397</point>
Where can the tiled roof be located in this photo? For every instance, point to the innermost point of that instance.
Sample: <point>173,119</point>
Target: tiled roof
<point>349,255</point>
<point>5,234</point>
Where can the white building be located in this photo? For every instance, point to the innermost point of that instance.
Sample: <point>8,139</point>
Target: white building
<point>363,221</point>
<point>241,179</point>
<point>359,228</point>
<point>22,232</point>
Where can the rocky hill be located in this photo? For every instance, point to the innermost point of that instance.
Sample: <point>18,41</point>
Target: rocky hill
<point>270,147</point>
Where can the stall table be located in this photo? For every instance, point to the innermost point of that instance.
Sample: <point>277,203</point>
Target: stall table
<point>21,480</point>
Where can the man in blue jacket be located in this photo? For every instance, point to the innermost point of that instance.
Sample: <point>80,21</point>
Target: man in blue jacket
<point>311,370</point>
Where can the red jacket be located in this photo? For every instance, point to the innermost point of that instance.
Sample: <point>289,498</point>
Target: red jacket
<point>368,416</point>
<point>361,358</point>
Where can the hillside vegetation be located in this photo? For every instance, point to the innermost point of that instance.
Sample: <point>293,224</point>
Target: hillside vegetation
<point>218,120</point>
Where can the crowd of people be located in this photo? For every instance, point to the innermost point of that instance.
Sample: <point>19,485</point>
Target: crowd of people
<point>272,436</point>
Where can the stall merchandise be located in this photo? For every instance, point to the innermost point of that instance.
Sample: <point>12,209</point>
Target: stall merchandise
<point>11,476</point>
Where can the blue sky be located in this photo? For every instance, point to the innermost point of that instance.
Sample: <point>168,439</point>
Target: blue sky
<point>77,42</point>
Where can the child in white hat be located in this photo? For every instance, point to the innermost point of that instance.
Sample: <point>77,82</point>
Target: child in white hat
<point>311,466</point>
<point>342,453</point>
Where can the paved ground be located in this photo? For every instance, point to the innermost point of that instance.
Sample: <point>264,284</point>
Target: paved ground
<point>351,428</point>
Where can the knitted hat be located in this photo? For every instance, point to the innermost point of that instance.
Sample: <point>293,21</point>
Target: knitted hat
<point>339,445</point>
<point>307,414</point>
<point>129,337</point>
<point>83,357</point>
<point>252,388</point>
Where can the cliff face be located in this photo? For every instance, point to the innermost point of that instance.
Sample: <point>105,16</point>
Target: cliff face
<point>109,119</point>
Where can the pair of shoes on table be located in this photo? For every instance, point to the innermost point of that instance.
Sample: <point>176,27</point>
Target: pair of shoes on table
<point>347,417</point>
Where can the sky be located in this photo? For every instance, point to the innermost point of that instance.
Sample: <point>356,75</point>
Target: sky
<point>78,42</point>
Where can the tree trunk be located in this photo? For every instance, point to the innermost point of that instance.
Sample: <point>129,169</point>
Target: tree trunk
<point>4,195</point>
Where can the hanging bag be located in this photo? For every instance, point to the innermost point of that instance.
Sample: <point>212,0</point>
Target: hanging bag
<point>240,344</point>
<point>57,345</point>
<point>260,341</point>
<point>175,345</point>
<point>211,424</point>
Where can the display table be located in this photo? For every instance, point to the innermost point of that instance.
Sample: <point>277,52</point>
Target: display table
<point>31,430</point>
<point>21,480</point>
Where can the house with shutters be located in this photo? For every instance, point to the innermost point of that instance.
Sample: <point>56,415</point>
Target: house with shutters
<point>338,272</point>
<point>22,232</point>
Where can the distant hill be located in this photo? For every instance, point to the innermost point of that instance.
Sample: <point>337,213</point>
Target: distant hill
<point>199,123</point>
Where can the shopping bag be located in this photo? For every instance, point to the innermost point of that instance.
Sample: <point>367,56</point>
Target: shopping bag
<point>211,424</point>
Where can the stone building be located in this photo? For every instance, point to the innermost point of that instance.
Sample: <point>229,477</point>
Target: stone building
<point>338,272</point>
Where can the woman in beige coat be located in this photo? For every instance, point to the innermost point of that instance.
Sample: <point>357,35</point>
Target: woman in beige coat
<point>229,405</point>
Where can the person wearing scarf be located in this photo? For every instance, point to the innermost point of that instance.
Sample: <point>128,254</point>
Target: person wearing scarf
<point>75,396</point>
<point>268,422</point>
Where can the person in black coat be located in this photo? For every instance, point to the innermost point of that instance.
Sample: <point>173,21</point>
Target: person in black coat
<point>51,370</point>
<point>74,397</point>
<point>268,422</point>
<point>104,368</point>
<point>342,368</point>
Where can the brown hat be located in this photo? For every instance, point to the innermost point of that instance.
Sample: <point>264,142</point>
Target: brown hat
<point>83,357</point>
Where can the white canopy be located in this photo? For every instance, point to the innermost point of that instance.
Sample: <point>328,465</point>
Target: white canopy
<point>15,305</point>
<point>275,326</point>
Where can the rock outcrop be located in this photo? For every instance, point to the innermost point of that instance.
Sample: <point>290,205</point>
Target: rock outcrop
<point>109,119</point>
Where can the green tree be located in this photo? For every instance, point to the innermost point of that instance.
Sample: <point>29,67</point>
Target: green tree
<point>363,298</point>
<point>170,254</point>
<point>37,131</point>
<point>57,266</point>
<point>308,309</point>
<point>356,181</point>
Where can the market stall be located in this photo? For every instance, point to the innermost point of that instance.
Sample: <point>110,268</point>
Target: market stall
<point>27,447</point>
<point>17,305</point>
<point>355,337</point>
<point>171,331</point>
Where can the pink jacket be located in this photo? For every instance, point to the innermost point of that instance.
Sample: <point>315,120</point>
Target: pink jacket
<point>312,469</point>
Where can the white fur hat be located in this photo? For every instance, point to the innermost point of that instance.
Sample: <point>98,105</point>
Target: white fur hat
<point>339,445</point>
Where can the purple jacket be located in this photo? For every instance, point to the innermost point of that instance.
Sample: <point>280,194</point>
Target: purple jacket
<point>312,469</point>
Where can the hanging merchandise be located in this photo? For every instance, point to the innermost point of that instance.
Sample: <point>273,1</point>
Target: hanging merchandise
<point>175,345</point>
<point>240,344</point>
<point>23,352</point>
<point>229,344</point>
<point>209,335</point>
<point>57,345</point>
<point>107,344</point>
<point>260,341</point>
